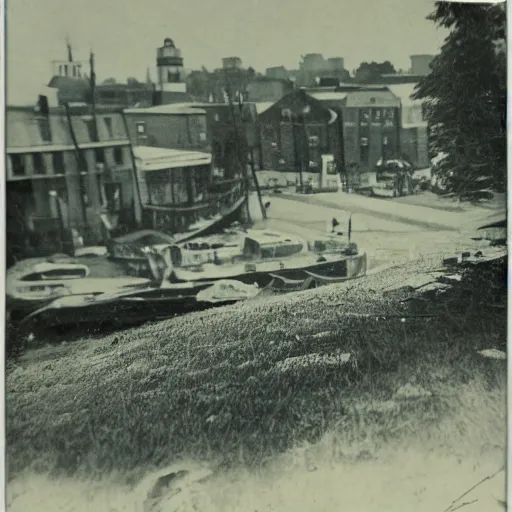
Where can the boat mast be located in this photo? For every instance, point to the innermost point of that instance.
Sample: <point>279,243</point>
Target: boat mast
<point>241,159</point>
<point>237,144</point>
<point>92,82</point>
<point>80,158</point>
<point>137,199</point>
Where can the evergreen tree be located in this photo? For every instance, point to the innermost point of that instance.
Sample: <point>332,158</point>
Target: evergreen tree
<point>465,98</point>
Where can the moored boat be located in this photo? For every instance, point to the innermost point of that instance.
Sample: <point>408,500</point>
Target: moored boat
<point>220,269</point>
<point>268,258</point>
<point>36,282</point>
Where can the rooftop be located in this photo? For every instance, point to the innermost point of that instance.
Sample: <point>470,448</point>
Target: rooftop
<point>171,109</point>
<point>373,98</point>
<point>404,92</point>
<point>154,159</point>
<point>263,106</point>
<point>328,95</point>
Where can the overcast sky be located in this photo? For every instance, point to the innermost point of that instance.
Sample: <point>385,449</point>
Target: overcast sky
<point>124,34</point>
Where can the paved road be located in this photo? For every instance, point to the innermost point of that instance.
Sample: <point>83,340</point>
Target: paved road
<point>384,241</point>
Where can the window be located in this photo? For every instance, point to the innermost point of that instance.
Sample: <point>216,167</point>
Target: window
<point>90,128</point>
<point>141,128</point>
<point>314,141</point>
<point>179,186</point>
<point>364,116</point>
<point>44,129</point>
<point>376,115</point>
<point>389,117</point>
<point>200,184</point>
<point>58,163</point>
<point>100,155</point>
<point>118,155</point>
<point>365,154</point>
<point>18,165</point>
<point>364,150</point>
<point>350,115</point>
<point>113,193</point>
<point>159,188</point>
<point>38,162</point>
<point>108,124</point>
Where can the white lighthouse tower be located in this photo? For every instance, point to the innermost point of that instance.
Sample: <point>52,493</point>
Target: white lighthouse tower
<point>170,72</point>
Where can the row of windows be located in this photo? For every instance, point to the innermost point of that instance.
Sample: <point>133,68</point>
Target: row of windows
<point>19,164</point>
<point>177,186</point>
<point>70,70</point>
<point>364,149</point>
<point>46,132</point>
<point>367,115</point>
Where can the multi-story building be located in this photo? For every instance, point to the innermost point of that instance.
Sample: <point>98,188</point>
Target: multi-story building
<point>336,64</point>
<point>268,89</point>
<point>62,172</point>
<point>206,127</point>
<point>178,147</point>
<point>371,123</point>
<point>358,125</point>
<point>311,67</point>
<point>420,64</point>
<point>314,66</point>
<point>176,126</point>
<point>276,73</point>
<point>413,127</point>
<point>296,131</point>
<point>232,62</point>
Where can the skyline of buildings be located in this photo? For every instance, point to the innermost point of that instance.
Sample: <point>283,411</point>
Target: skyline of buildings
<point>311,67</point>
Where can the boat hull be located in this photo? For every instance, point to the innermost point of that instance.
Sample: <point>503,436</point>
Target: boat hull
<point>120,310</point>
<point>301,278</point>
<point>176,298</point>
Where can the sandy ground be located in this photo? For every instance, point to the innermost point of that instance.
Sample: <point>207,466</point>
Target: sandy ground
<point>384,241</point>
<point>407,480</point>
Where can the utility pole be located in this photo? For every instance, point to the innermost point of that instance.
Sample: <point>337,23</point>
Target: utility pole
<point>92,82</point>
<point>298,155</point>
<point>304,153</point>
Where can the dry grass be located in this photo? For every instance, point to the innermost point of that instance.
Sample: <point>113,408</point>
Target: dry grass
<point>209,386</point>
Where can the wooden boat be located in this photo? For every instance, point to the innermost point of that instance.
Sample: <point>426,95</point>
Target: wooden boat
<point>131,250</point>
<point>217,270</point>
<point>36,282</point>
<point>270,259</point>
<point>115,307</point>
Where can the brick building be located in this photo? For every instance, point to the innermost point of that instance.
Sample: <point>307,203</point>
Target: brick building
<point>371,123</point>
<point>175,126</point>
<point>296,131</point>
<point>357,125</point>
<point>413,128</point>
<point>203,127</point>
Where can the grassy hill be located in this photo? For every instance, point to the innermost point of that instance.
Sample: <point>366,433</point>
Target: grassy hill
<point>368,364</point>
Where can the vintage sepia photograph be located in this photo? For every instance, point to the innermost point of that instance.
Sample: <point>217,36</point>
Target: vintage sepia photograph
<point>256,256</point>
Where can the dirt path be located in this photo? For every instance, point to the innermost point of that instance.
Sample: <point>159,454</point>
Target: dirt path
<point>410,481</point>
